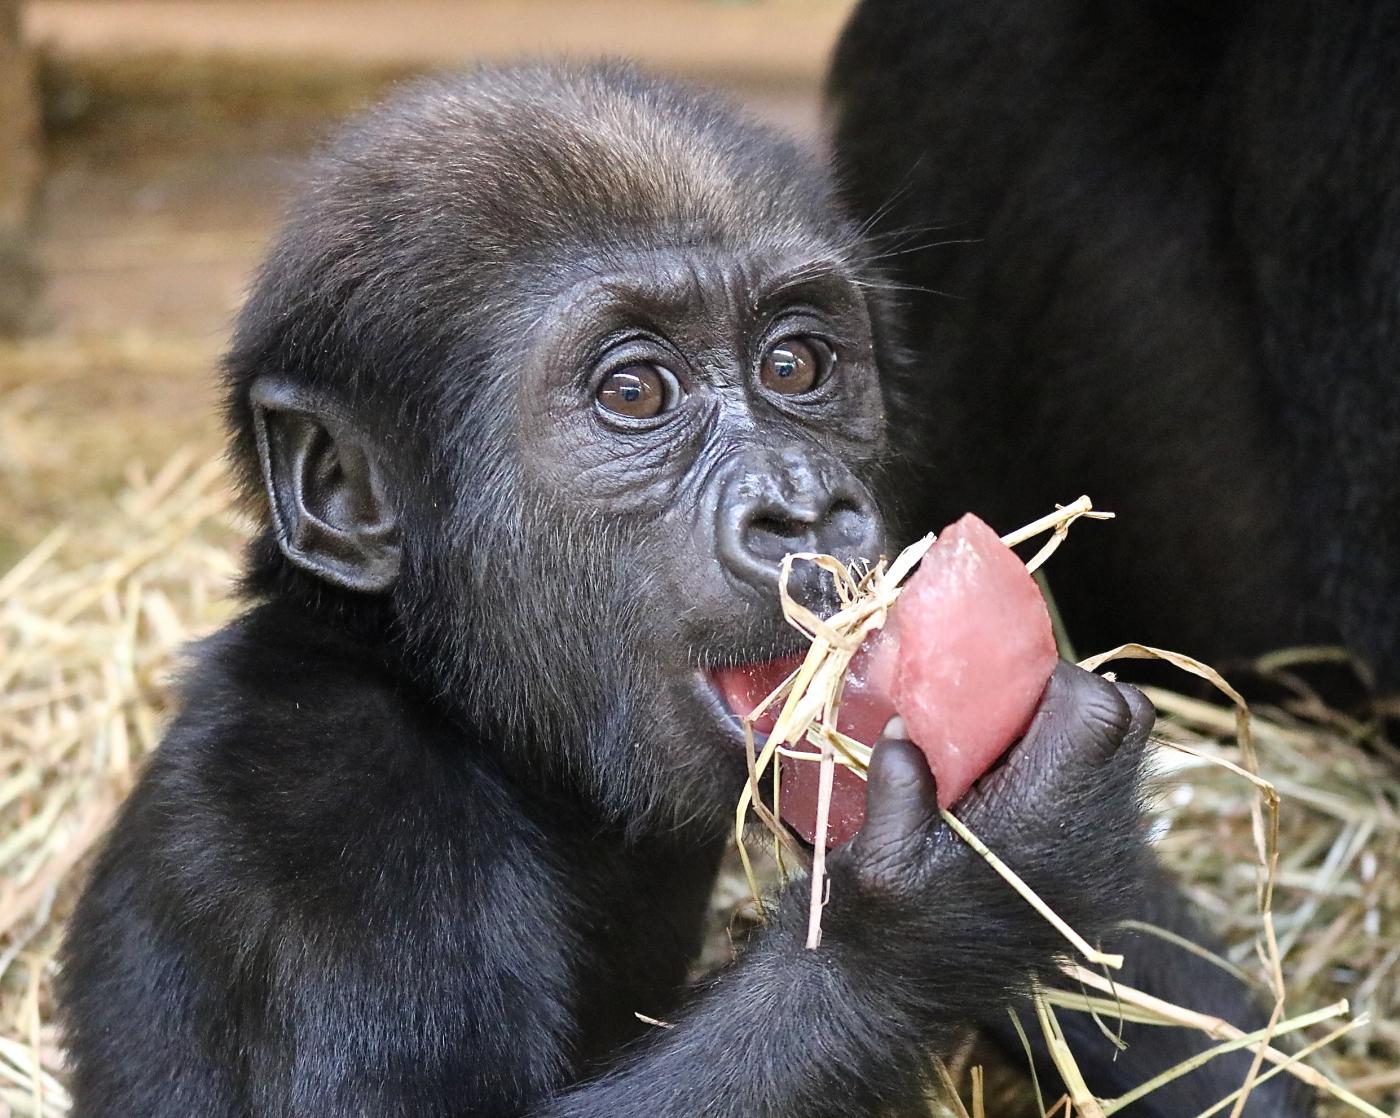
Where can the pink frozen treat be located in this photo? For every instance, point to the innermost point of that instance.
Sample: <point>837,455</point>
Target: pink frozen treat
<point>976,652</point>
<point>963,658</point>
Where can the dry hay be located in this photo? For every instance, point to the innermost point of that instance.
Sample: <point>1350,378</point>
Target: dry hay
<point>1336,904</point>
<point>92,623</point>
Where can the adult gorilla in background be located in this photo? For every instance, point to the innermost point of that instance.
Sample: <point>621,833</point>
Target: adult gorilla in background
<point>548,370</point>
<point>1152,250</point>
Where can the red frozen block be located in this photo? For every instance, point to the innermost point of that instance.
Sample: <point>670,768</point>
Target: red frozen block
<point>976,652</point>
<point>964,658</point>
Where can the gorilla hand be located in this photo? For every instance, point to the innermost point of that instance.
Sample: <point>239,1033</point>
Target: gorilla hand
<point>931,922</point>
<point>921,940</point>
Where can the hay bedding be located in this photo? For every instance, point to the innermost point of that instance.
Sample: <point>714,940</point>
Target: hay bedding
<point>91,627</point>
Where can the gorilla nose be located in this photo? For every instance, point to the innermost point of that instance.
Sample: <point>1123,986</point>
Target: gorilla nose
<point>773,503</point>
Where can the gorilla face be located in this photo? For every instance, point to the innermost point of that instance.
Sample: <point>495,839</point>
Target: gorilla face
<point>706,412</point>
<point>571,454</point>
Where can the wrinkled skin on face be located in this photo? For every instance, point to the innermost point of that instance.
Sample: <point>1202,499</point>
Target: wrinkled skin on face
<point>568,559</point>
<point>702,500</point>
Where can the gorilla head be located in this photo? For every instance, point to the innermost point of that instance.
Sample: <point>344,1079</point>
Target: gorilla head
<point>545,386</point>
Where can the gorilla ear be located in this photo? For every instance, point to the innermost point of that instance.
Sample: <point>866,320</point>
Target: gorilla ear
<point>329,508</point>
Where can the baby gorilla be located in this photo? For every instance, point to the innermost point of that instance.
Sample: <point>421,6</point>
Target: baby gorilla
<point>548,370</point>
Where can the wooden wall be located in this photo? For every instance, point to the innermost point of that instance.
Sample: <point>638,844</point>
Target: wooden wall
<point>19,171</point>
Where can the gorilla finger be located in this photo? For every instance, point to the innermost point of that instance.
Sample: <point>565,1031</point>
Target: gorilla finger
<point>1142,717</point>
<point>1141,711</point>
<point>901,809</point>
<point>1082,721</point>
<point>1079,726</point>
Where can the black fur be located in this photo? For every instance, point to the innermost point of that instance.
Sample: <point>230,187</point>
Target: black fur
<point>1148,251</point>
<point>441,812</point>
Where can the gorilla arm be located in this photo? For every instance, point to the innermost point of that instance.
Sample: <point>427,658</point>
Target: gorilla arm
<point>919,935</point>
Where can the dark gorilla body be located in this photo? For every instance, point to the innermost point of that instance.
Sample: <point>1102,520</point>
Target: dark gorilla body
<point>1179,227</point>
<point>547,371</point>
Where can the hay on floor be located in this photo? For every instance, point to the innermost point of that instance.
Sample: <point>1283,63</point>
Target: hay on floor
<point>92,623</point>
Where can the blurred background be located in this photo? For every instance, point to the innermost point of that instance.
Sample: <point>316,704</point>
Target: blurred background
<point>147,147</point>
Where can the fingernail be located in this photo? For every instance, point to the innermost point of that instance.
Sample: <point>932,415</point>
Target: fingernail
<point>894,728</point>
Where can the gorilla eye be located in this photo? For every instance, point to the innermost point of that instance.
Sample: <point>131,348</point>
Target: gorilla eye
<point>639,391</point>
<point>796,365</point>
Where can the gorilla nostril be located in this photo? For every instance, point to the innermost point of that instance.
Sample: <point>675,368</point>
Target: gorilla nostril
<point>848,530</point>
<point>845,529</point>
<point>847,522</point>
<point>771,537</point>
<point>771,504</point>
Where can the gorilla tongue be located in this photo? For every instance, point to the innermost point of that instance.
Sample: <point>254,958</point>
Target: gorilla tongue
<point>963,659</point>
<point>867,705</point>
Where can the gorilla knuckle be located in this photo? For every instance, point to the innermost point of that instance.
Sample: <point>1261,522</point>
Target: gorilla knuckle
<point>882,865</point>
<point>1087,724</point>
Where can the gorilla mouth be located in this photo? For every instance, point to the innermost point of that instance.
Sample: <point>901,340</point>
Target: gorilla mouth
<point>743,686</point>
<point>863,715</point>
